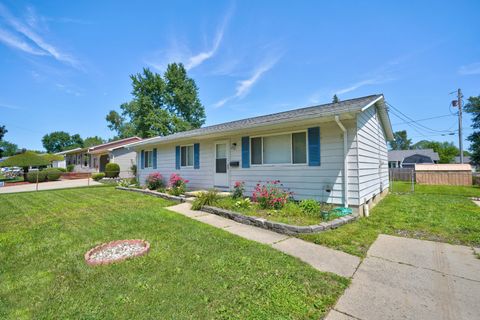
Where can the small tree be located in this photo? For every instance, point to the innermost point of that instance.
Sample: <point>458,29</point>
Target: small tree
<point>400,141</point>
<point>25,161</point>
<point>335,99</point>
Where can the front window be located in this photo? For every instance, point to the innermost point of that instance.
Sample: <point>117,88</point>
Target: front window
<point>288,148</point>
<point>186,156</point>
<point>148,159</point>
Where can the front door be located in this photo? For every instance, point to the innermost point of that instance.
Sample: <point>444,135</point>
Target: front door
<point>221,164</point>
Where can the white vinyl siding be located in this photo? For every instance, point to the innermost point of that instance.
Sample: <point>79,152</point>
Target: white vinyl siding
<point>125,158</point>
<point>372,155</point>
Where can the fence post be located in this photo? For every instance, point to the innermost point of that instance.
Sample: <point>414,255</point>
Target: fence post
<point>88,179</point>
<point>412,188</point>
<point>36,186</point>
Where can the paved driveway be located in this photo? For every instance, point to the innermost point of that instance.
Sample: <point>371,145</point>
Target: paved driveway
<point>413,279</point>
<point>61,184</point>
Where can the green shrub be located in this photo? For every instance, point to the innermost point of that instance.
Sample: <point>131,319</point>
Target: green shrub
<point>124,183</point>
<point>52,174</point>
<point>112,170</point>
<point>32,176</point>
<point>205,199</point>
<point>61,169</point>
<point>98,176</point>
<point>243,204</point>
<point>310,207</point>
<point>70,167</point>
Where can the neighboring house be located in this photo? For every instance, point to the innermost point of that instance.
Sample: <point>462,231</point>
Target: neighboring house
<point>408,158</point>
<point>335,153</point>
<point>94,159</point>
<point>60,163</point>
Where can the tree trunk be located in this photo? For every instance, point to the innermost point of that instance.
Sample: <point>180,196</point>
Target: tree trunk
<point>25,171</point>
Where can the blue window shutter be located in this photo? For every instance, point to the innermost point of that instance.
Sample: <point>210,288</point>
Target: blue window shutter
<point>142,159</point>
<point>314,146</point>
<point>245,152</point>
<point>154,158</point>
<point>196,156</point>
<point>177,157</point>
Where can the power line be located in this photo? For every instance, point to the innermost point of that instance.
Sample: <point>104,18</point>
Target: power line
<point>414,122</point>
<point>424,119</point>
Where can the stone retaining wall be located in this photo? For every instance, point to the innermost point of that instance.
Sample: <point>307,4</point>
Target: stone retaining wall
<point>278,226</point>
<point>154,193</point>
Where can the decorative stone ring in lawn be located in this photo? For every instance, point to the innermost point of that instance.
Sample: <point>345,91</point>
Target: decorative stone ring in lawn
<point>116,251</point>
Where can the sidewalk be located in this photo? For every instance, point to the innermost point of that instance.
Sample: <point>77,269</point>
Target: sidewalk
<point>319,257</point>
<point>61,184</point>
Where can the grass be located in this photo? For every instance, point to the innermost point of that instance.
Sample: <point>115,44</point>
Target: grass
<point>438,213</point>
<point>193,271</point>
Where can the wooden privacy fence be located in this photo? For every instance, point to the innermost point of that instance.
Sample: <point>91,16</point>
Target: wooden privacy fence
<point>446,174</point>
<point>453,178</point>
<point>401,174</point>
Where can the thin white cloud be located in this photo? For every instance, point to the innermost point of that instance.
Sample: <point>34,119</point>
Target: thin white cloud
<point>35,38</point>
<point>17,43</point>
<point>179,52</point>
<point>470,69</point>
<point>362,83</point>
<point>244,86</point>
<point>68,89</point>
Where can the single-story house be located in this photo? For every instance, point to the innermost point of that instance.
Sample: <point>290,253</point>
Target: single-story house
<point>335,153</point>
<point>94,159</point>
<point>408,158</point>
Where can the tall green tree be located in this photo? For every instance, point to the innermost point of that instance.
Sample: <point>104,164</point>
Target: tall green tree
<point>335,99</point>
<point>400,141</point>
<point>3,131</point>
<point>160,105</point>
<point>60,140</point>
<point>92,141</point>
<point>473,107</point>
<point>9,149</point>
<point>447,151</point>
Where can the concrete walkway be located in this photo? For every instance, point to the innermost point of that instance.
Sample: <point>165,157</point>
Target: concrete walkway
<point>61,184</point>
<point>413,279</point>
<point>319,257</point>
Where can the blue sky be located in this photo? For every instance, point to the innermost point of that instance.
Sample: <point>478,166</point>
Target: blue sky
<point>65,64</point>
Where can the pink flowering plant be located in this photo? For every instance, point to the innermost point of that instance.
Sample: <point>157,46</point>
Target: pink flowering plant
<point>177,184</point>
<point>238,189</point>
<point>271,195</point>
<point>155,181</point>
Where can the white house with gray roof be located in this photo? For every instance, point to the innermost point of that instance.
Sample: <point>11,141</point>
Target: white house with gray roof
<point>335,153</point>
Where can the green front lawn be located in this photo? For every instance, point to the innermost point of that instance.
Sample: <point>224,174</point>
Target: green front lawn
<point>438,213</point>
<point>193,271</point>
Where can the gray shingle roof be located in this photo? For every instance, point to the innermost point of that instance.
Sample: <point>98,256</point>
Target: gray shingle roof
<point>324,110</point>
<point>399,155</point>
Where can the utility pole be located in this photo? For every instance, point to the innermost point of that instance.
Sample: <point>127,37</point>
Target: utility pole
<point>460,135</point>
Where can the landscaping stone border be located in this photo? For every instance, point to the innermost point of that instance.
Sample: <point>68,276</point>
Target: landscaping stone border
<point>279,227</point>
<point>155,193</point>
<point>103,246</point>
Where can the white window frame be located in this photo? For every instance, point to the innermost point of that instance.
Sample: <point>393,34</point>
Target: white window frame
<point>147,161</point>
<point>290,133</point>
<point>186,156</point>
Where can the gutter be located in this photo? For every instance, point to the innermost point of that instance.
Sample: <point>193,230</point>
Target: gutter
<point>345,164</point>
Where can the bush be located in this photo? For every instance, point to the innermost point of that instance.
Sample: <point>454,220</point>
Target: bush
<point>112,170</point>
<point>61,169</point>
<point>310,207</point>
<point>271,195</point>
<point>70,167</point>
<point>177,185</point>
<point>238,189</point>
<point>205,199</point>
<point>32,176</point>
<point>98,176</point>
<point>243,204</point>
<point>52,174</point>
<point>155,181</point>
<point>124,182</point>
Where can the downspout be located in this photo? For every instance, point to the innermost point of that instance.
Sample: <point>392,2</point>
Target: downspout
<point>345,164</point>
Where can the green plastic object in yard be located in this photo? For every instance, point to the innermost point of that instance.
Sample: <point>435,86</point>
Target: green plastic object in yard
<point>341,211</point>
